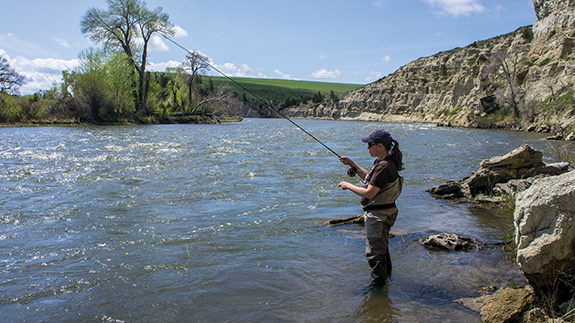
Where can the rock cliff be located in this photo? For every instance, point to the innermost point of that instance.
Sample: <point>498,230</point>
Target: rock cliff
<point>521,80</point>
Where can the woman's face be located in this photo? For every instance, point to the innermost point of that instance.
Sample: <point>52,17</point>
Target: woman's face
<point>377,149</point>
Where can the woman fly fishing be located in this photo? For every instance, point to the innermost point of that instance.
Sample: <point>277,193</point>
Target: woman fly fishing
<point>381,187</point>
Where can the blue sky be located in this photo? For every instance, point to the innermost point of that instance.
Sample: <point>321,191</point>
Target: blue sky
<point>347,41</point>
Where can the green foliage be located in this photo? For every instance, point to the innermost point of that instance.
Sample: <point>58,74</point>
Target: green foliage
<point>10,110</point>
<point>500,117</point>
<point>104,84</point>
<point>559,104</point>
<point>527,33</point>
<point>545,62</point>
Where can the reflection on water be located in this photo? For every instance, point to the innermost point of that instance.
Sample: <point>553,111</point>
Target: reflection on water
<point>228,223</point>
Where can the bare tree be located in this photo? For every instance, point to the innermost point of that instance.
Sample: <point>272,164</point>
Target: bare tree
<point>506,65</point>
<point>196,64</point>
<point>129,26</point>
<point>10,80</point>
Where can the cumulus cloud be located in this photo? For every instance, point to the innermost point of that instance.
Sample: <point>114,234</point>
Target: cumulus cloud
<point>386,59</point>
<point>180,32</point>
<point>325,74</point>
<point>373,76</point>
<point>230,69</point>
<point>457,7</point>
<point>162,66</point>
<point>282,75</point>
<point>157,44</point>
<point>39,73</point>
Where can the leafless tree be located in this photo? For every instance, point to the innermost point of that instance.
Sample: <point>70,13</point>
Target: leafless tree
<point>196,64</point>
<point>505,65</point>
<point>10,80</point>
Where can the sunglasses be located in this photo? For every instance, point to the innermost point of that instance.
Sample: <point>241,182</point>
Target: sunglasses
<point>371,144</point>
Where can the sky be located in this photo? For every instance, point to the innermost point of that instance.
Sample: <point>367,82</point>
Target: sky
<point>343,41</point>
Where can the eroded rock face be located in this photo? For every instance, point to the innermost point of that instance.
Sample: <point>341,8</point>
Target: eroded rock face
<point>544,221</point>
<point>458,87</point>
<point>553,15</point>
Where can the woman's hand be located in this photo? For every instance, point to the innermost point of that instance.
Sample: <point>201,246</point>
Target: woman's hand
<point>346,161</point>
<point>345,185</point>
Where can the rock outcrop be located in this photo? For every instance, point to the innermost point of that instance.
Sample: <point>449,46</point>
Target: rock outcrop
<point>545,230</point>
<point>464,87</point>
<point>507,174</point>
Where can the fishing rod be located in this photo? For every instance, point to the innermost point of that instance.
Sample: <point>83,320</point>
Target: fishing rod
<point>350,172</point>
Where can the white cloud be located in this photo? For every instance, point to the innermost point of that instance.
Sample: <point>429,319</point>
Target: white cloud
<point>162,66</point>
<point>180,32</point>
<point>62,42</point>
<point>282,75</point>
<point>230,69</point>
<point>39,73</point>
<point>386,59</point>
<point>157,44</point>
<point>457,7</point>
<point>325,74</point>
<point>373,76</point>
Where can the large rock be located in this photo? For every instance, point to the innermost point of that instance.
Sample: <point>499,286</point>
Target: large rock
<point>544,221</point>
<point>507,305</point>
<point>522,157</point>
<point>500,174</point>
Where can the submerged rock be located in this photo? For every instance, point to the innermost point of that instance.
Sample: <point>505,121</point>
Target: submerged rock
<point>448,241</point>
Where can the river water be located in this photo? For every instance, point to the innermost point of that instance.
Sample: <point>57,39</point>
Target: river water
<point>222,223</point>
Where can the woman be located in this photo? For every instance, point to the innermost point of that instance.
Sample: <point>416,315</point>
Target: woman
<point>382,186</point>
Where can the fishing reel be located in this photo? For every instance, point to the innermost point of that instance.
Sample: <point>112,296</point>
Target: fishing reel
<point>351,172</point>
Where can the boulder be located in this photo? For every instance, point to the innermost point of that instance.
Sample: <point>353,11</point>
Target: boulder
<point>509,174</point>
<point>544,222</point>
<point>513,186</point>
<point>522,157</point>
<point>449,189</point>
<point>507,305</point>
<point>450,242</point>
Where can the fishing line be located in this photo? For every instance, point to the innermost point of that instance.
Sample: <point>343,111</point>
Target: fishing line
<point>351,172</point>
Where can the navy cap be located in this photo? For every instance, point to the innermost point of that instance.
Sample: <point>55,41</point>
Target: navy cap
<point>379,136</point>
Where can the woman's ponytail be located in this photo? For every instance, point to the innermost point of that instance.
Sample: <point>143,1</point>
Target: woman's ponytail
<point>395,154</point>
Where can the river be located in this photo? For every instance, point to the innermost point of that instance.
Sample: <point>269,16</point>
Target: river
<point>227,223</point>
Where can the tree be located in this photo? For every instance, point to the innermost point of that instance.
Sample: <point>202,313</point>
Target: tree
<point>102,85</point>
<point>505,66</point>
<point>128,25</point>
<point>10,80</point>
<point>196,64</point>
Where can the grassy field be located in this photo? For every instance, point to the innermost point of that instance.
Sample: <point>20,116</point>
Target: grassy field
<point>282,90</point>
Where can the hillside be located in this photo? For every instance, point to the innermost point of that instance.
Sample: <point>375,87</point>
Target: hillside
<point>520,80</point>
<point>280,93</point>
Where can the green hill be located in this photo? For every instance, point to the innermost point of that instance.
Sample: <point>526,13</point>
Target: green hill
<point>285,92</point>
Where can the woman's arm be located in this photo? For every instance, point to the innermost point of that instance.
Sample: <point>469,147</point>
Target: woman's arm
<point>368,192</point>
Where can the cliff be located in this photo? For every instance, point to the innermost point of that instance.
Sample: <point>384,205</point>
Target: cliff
<point>521,80</point>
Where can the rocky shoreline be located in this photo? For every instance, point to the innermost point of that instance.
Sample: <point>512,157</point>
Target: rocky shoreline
<point>544,220</point>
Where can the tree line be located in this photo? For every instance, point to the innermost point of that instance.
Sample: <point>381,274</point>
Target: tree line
<point>111,83</point>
